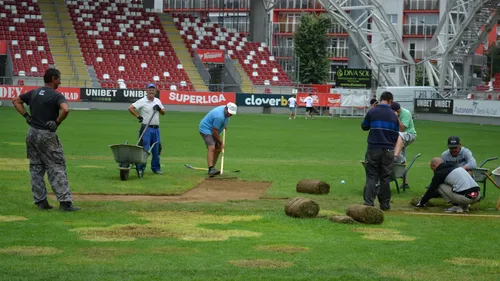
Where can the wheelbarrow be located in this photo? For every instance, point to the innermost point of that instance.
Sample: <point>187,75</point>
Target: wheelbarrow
<point>399,171</point>
<point>479,174</point>
<point>128,156</point>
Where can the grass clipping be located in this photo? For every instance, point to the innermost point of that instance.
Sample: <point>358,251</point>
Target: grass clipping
<point>313,187</point>
<point>365,214</point>
<point>300,207</point>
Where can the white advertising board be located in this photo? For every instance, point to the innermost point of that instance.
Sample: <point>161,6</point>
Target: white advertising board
<point>485,108</point>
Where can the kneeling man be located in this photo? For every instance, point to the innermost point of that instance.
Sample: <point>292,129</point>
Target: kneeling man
<point>454,184</point>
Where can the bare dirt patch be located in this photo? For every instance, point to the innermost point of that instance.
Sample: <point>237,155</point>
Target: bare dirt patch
<point>472,262</point>
<point>12,218</point>
<point>180,225</point>
<point>383,234</point>
<point>212,190</point>
<point>14,164</point>
<point>30,251</point>
<point>261,263</point>
<point>289,249</point>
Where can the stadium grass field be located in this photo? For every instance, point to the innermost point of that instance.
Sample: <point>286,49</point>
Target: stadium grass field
<point>239,239</point>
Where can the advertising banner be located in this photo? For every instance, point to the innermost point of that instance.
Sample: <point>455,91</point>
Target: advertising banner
<point>262,100</point>
<point>212,56</point>
<point>197,98</point>
<point>111,95</point>
<point>302,96</point>
<point>333,100</point>
<point>353,78</point>
<point>444,106</point>
<point>11,92</point>
<point>322,99</point>
<point>486,108</point>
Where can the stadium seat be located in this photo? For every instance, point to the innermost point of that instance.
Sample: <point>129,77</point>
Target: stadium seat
<point>123,41</point>
<point>22,27</point>
<point>255,58</point>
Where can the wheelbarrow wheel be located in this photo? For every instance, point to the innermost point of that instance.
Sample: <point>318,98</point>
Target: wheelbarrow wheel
<point>124,174</point>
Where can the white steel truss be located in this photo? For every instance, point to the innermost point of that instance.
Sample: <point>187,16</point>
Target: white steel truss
<point>463,26</point>
<point>270,4</point>
<point>386,34</point>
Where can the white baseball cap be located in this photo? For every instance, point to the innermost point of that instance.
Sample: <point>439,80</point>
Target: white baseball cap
<point>232,108</point>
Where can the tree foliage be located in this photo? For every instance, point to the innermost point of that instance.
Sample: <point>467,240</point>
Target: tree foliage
<point>493,54</point>
<point>310,46</point>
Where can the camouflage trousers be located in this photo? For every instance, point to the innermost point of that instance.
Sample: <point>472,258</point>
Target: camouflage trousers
<point>45,154</point>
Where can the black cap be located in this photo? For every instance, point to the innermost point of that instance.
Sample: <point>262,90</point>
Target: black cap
<point>395,105</point>
<point>372,101</point>
<point>453,142</point>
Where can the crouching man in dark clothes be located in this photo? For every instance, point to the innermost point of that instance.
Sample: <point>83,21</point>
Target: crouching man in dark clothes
<point>454,184</point>
<point>48,109</point>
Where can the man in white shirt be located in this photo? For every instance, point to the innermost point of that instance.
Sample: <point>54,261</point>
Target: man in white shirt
<point>147,106</point>
<point>292,104</point>
<point>309,106</point>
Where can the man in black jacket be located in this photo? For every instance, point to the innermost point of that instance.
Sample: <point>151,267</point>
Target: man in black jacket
<point>454,184</point>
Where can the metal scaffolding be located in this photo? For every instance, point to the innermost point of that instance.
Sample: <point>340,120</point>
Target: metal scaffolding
<point>463,26</point>
<point>380,28</point>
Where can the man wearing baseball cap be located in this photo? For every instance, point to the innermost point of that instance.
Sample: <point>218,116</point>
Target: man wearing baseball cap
<point>147,106</point>
<point>458,155</point>
<point>210,128</point>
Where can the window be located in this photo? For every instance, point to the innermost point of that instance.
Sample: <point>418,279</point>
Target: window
<point>393,18</point>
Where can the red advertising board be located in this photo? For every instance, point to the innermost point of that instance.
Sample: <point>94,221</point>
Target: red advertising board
<point>332,100</point>
<point>11,92</point>
<point>322,99</point>
<point>3,47</point>
<point>302,96</point>
<point>197,98</point>
<point>213,56</point>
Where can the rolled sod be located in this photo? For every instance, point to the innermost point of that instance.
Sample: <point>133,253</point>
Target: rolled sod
<point>313,187</point>
<point>365,214</point>
<point>300,207</point>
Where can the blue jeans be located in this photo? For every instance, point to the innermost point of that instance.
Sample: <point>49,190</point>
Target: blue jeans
<point>151,136</point>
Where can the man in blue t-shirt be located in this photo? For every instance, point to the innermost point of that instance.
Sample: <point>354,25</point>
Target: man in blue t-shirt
<point>211,126</point>
<point>383,125</point>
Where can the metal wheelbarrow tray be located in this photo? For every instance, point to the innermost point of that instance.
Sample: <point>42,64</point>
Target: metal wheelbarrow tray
<point>127,155</point>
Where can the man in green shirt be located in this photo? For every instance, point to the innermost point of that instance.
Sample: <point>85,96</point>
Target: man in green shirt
<point>407,133</point>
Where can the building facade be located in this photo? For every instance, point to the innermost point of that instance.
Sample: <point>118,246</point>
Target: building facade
<point>415,22</point>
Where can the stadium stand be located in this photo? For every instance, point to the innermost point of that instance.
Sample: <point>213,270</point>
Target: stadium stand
<point>255,58</point>
<point>124,42</point>
<point>22,27</point>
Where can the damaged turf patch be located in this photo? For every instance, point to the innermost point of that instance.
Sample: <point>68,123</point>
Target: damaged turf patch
<point>282,249</point>
<point>15,143</point>
<point>12,218</point>
<point>261,263</point>
<point>30,251</point>
<point>383,234</point>
<point>14,164</point>
<point>180,225</point>
<point>90,167</point>
<point>175,250</point>
<point>472,262</point>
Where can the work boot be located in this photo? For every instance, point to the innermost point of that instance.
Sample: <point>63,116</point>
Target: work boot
<point>44,205</point>
<point>140,173</point>
<point>68,207</point>
<point>213,172</point>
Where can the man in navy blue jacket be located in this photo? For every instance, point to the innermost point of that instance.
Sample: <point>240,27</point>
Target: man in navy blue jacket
<point>383,125</point>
